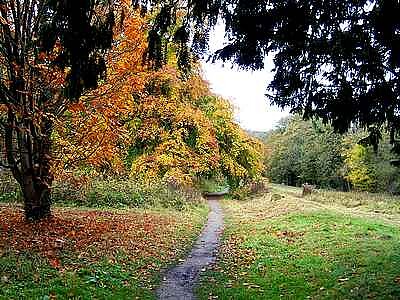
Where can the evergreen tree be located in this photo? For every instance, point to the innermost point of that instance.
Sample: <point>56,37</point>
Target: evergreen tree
<point>335,59</point>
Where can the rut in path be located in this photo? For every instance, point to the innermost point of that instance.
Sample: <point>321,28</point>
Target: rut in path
<point>179,282</point>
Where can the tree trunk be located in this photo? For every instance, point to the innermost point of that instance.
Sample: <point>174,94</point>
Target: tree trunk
<point>37,199</point>
<point>29,157</point>
<point>37,179</point>
<point>36,189</point>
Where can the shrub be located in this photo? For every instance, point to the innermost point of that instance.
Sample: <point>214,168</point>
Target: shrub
<point>66,192</point>
<point>114,192</point>
<point>124,193</point>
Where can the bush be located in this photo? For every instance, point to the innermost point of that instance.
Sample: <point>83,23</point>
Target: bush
<point>115,192</point>
<point>124,193</point>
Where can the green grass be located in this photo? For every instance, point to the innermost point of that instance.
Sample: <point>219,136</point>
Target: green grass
<point>94,272</point>
<point>30,277</point>
<point>287,249</point>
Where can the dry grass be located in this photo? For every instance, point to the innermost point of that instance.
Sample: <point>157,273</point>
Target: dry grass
<point>374,205</point>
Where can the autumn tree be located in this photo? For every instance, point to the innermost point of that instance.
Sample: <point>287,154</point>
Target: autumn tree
<point>241,155</point>
<point>93,132</point>
<point>50,53</point>
<point>369,170</point>
<point>171,137</point>
<point>161,123</point>
<point>182,134</point>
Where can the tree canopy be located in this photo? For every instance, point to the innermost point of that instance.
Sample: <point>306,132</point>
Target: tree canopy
<point>335,59</point>
<point>305,151</point>
<point>155,124</point>
<point>159,123</point>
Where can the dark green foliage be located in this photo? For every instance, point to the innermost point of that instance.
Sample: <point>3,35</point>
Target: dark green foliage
<point>192,136</point>
<point>83,33</point>
<point>133,153</point>
<point>336,59</point>
<point>190,34</point>
<point>309,151</point>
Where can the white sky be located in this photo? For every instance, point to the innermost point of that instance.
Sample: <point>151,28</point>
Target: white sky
<point>245,89</point>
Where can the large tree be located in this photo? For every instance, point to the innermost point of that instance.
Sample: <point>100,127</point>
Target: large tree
<point>50,53</point>
<point>335,59</point>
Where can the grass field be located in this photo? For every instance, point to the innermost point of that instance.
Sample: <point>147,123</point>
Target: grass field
<point>281,246</point>
<point>328,245</point>
<point>92,254</point>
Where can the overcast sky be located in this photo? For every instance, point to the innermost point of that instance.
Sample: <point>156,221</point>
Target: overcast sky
<point>245,89</point>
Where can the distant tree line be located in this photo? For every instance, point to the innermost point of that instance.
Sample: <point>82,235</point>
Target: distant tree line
<point>309,151</point>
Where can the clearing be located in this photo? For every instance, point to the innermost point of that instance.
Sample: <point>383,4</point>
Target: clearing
<point>329,245</point>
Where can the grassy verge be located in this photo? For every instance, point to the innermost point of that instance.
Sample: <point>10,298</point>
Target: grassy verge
<point>92,254</point>
<point>282,247</point>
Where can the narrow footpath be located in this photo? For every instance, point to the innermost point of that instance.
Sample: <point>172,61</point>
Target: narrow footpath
<point>179,281</point>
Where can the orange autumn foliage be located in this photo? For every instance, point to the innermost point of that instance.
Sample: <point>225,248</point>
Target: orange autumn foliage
<point>159,124</point>
<point>92,132</point>
<point>182,132</point>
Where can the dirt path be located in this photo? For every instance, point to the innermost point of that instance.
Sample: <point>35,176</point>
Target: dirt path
<point>178,282</point>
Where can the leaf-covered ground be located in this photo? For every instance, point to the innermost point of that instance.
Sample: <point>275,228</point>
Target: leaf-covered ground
<point>283,247</point>
<point>87,254</point>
